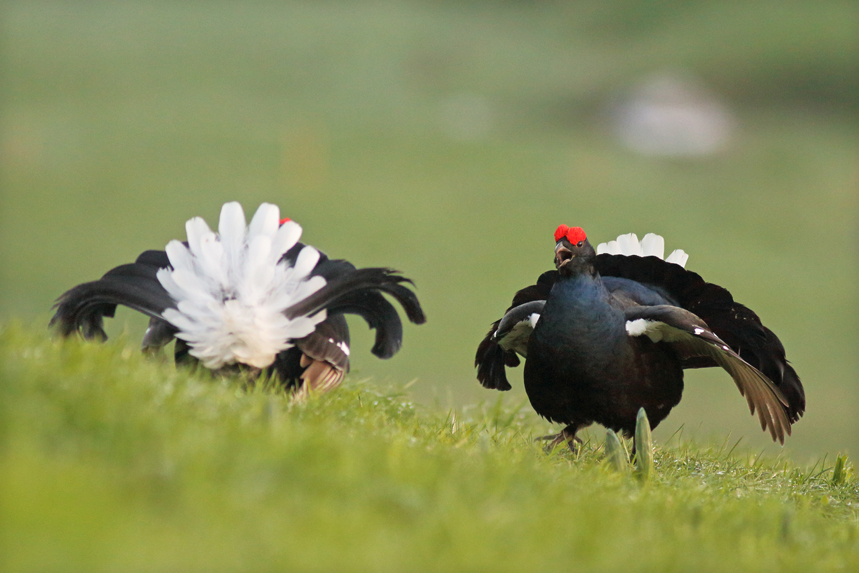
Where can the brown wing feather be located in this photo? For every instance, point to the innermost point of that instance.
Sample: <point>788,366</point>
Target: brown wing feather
<point>691,337</point>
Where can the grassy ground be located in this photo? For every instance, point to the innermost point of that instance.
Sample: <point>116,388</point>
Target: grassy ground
<point>113,462</point>
<point>119,121</point>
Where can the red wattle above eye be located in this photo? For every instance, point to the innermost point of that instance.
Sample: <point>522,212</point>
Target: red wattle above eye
<point>573,234</point>
<point>576,235</point>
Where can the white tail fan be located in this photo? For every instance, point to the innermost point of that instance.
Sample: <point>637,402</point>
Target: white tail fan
<point>651,246</point>
<point>231,288</point>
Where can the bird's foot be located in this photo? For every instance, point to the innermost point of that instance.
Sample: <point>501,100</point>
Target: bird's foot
<point>567,435</point>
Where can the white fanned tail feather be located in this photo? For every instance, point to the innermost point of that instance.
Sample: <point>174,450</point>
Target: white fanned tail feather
<point>651,245</point>
<point>231,288</point>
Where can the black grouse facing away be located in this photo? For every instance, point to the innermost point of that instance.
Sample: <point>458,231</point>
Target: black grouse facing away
<point>606,334</point>
<point>251,298</point>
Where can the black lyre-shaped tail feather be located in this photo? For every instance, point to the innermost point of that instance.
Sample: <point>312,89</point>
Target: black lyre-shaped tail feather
<point>358,291</point>
<point>360,294</point>
<point>82,308</point>
<point>380,315</point>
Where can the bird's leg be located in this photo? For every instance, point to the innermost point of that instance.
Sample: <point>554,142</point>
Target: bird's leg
<point>567,435</point>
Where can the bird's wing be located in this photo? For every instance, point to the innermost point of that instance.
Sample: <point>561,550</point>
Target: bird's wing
<point>490,361</point>
<point>646,279</point>
<point>329,342</point>
<point>492,357</point>
<point>516,326</point>
<point>320,360</point>
<point>690,337</point>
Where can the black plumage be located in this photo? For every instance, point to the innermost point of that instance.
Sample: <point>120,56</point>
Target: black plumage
<point>615,333</point>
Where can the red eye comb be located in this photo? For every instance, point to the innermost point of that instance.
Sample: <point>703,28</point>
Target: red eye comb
<point>285,220</point>
<point>573,234</point>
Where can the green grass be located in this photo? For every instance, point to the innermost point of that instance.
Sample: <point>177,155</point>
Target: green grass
<point>113,462</point>
<point>119,121</point>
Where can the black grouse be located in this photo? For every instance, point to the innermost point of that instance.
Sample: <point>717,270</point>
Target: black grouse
<point>606,334</point>
<point>248,297</point>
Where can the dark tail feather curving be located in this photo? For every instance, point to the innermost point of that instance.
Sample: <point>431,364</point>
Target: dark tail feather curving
<point>380,315</point>
<point>359,292</point>
<point>82,308</point>
<point>407,299</point>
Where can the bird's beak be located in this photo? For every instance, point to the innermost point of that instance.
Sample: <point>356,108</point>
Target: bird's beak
<point>563,255</point>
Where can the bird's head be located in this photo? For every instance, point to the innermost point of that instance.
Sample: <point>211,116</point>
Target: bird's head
<point>572,249</point>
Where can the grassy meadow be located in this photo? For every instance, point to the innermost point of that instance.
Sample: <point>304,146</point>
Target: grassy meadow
<point>112,462</point>
<point>447,140</point>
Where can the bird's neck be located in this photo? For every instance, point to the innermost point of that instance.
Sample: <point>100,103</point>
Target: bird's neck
<point>578,305</point>
<point>579,319</point>
<point>579,291</point>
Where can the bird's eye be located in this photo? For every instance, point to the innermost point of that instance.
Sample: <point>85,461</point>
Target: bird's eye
<point>580,243</point>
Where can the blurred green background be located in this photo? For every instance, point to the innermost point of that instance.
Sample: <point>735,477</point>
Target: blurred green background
<point>448,140</point>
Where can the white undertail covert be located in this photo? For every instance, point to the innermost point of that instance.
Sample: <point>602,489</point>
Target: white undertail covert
<point>231,287</point>
<point>651,245</point>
